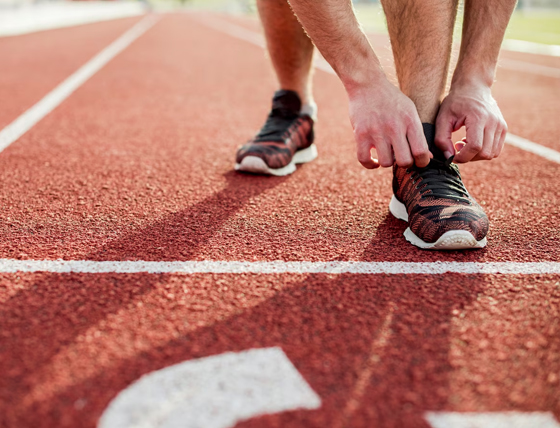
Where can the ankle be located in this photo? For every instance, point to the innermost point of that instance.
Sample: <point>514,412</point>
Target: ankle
<point>310,109</point>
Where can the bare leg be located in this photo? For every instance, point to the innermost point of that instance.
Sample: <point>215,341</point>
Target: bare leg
<point>291,51</point>
<point>421,34</point>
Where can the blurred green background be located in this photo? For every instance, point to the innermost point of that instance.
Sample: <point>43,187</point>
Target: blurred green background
<point>535,21</point>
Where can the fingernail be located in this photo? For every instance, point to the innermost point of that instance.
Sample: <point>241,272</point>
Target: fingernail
<point>447,154</point>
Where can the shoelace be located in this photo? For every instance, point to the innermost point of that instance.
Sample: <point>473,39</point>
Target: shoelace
<point>276,124</point>
<point>440,179</point>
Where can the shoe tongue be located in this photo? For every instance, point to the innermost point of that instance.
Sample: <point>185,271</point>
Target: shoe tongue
<point>430,134</point>
<point>286,103</point>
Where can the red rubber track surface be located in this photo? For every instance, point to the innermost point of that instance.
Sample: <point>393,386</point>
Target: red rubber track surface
<point>137,164</point>
<point>34,64</point>
<point>143,152</point>
<point>454,342</point>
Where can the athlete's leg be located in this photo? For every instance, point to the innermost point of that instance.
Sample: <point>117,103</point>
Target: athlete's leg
<point>421,34</point>
<point>286,139</point>
<point>290,50</point>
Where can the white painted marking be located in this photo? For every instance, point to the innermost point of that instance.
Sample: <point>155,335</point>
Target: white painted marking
<point>537,149</point>
<point>320,63</point>
<point>528,67</point>
<point>339,267</point>
<point>530,47</point>
<point>231,29</point>
<point>492,420</point>
<point>212,392</point>
<point>54,98</point>
<point>252,37</point>
<point>31,17</point>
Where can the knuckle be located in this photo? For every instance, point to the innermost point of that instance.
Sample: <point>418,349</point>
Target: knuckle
<point>391,126</point>
<point>476,145</point>
<point>485,155</point>
<point>361,134</point>
<point>385,163</point>
<point>419,152</point>
<point>364,157</point>
<point>405,163</point>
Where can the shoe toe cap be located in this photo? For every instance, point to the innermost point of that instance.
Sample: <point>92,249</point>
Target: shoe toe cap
<point>430,227</point>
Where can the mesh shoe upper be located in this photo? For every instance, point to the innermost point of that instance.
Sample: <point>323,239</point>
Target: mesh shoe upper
<point>284,132</point>
<point>436,199</point>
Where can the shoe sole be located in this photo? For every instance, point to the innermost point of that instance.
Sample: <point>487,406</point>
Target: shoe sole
<point>256,165</point>
<point>450,240</point>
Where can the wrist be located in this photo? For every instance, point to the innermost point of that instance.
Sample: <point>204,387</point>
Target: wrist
<point>363,79</point>
<point>480,76</point>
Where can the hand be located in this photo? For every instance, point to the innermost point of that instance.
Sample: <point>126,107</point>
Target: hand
<point>472,106</point>
<point>385,119</point>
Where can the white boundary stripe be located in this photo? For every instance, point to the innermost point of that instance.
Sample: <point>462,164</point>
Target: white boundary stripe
<point>255,38</point>
<point>530,47</point>
<point>527,67</point>
<point>32,17</point>
<point>54,98</point>
<point>239,267</point>
<point>492,420</point>
<point>531,147</point>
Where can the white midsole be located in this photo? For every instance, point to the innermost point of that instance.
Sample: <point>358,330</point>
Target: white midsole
<point>256,165</point>
<point>450,240</point>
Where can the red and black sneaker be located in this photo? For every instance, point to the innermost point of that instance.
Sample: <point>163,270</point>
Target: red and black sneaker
<point>441,213</point>
<point>286,139</point>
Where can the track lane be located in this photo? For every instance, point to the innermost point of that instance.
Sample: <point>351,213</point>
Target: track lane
<point>78,186</point>
<point>124,175</point>
<point>33,64</point>
<point>375,348</point>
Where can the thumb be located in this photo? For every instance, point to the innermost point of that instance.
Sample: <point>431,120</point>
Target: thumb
<point>444,131</point>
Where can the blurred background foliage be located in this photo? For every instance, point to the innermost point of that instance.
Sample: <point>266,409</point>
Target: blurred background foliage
<point>534,20</point>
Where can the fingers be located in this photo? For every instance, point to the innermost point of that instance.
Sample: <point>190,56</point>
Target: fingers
<point>405,149</point>
<point>499,140</point>
<point>385,154</point>
<point>444,130</point>
<point>418,145</point>
<point>487,150</point>
<point>474,142</point>
<point>364,156</point>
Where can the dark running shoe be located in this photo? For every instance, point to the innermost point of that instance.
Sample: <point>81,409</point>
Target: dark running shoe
<point>286,139</point>
<point>441,213</point>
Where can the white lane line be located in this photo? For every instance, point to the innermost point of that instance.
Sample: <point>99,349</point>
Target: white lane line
<point>527,67</point>
<point>250,36</point>
<point>54,98</point>
<point>231,29</point>
<point>239,267</point>
<point>257,39</point>
<point>530,47</point>
<point>212,392</point>
<point>36,16</point>
<point>534,148</point>
<point>492,420</point>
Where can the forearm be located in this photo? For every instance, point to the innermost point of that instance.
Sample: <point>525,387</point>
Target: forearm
<point>334,29</point>
<point>484,26</point>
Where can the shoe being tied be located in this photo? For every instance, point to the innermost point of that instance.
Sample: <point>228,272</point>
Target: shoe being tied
<point>441,213</point>
<point>286,139</point>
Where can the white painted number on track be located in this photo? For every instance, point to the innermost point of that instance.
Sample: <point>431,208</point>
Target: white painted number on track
<point>492,420</point>
<point>212,392</point>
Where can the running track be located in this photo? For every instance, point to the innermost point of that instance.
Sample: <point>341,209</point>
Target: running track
<point>136,165</point>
